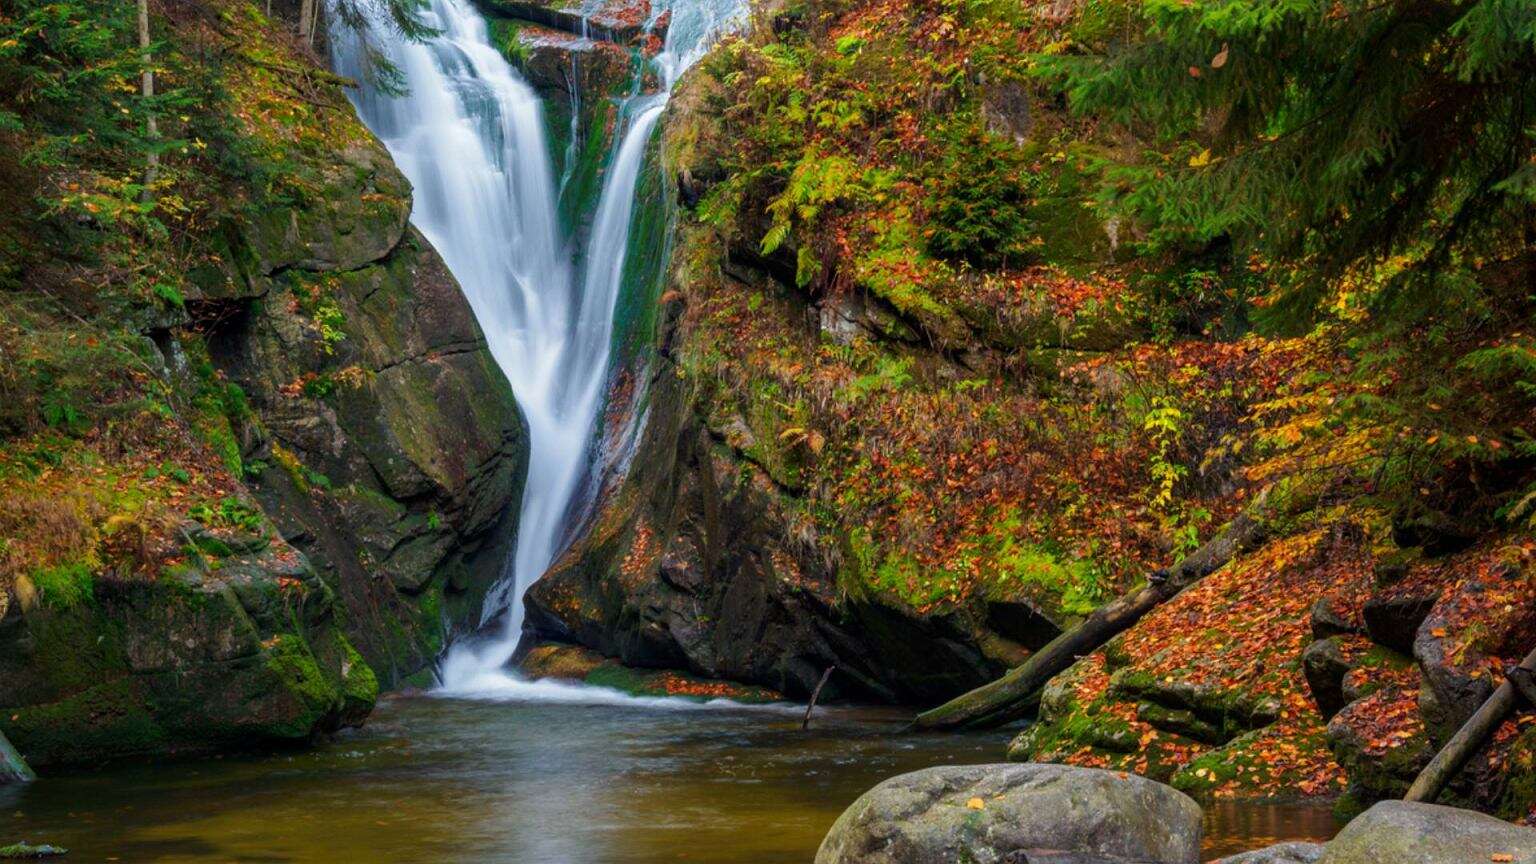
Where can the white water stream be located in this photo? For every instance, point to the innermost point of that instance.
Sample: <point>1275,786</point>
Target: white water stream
<point>470,136</point>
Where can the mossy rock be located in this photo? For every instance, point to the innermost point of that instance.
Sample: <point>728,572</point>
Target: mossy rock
<point>25,851</point>
<point>247,655</point>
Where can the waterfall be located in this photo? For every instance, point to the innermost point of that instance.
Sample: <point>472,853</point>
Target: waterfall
<point>469,134</point>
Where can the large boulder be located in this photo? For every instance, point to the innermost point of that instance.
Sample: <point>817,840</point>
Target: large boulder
<point>1016,813</point>
<point>241,647</point>
<point>1397,832</point>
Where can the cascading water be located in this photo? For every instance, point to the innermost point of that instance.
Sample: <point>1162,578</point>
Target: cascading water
<point>470,136</point>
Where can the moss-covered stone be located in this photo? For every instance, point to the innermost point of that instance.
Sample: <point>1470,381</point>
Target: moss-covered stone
<point>26,851</point>
<point>247,654</point>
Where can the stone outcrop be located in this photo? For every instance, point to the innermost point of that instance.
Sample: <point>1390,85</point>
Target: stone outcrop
<point>1014,813</point>
<point>392,452</point>
<point>697,561</point>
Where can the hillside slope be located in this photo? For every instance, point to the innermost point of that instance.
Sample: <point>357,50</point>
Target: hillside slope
<point>933,382</point>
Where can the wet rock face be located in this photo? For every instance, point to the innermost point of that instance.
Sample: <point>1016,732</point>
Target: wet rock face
<point>393,453</point>
<point>385,442</point>
<point>1016,813</point>
<point>1396,832</point>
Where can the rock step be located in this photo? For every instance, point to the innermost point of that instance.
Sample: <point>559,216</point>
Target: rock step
<point>620,21</point>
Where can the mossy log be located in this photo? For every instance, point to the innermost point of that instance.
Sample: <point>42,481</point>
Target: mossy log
<point>1454,755</point>
<point>13,769</point>
<point>1017,693</point>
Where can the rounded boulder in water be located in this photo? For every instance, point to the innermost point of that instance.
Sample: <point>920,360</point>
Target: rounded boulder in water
<point>1011,814</point>
<point>1399,832</point>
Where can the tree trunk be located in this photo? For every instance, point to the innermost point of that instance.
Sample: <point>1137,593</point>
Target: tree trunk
<point>1017,693</point>
<point>147,89</point>
<point>306,18</point>
<point>1454,755</point>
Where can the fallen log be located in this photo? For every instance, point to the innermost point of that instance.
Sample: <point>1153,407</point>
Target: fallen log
<point>1454,755</point>
<point>1017,693</point>
<point>12,768</point>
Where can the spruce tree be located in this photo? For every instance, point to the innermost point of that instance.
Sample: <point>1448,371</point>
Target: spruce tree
<point>1335,136</point>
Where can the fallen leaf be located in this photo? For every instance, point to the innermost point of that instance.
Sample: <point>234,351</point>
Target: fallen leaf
<point>1220,59</point>
<point>976,804</point>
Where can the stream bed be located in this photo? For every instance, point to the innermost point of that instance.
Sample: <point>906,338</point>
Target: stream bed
<point>455,780</point>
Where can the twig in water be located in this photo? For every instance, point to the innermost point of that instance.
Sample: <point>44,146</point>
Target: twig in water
<point>815,694</point>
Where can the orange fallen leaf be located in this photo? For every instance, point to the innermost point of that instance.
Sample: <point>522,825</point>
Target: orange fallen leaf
<point>976,804</point>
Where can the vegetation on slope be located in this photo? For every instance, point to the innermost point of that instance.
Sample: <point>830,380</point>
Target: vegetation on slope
<point>1083,279</point>
<point>157,241</point>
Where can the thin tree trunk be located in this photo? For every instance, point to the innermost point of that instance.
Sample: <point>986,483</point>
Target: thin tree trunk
<point>1454,755</point>
<point>1017,693</point>
<point>306,16</point>
<point>147,89</point>
<point>314,21</point>
<point>816,694</point>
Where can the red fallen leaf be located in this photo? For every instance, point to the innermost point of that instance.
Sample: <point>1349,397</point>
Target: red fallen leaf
<point>1194,71</point>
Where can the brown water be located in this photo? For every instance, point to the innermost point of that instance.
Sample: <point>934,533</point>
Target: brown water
<point>448,781</point>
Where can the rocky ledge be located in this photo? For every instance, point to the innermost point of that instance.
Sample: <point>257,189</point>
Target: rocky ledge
<point>622,21</point>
